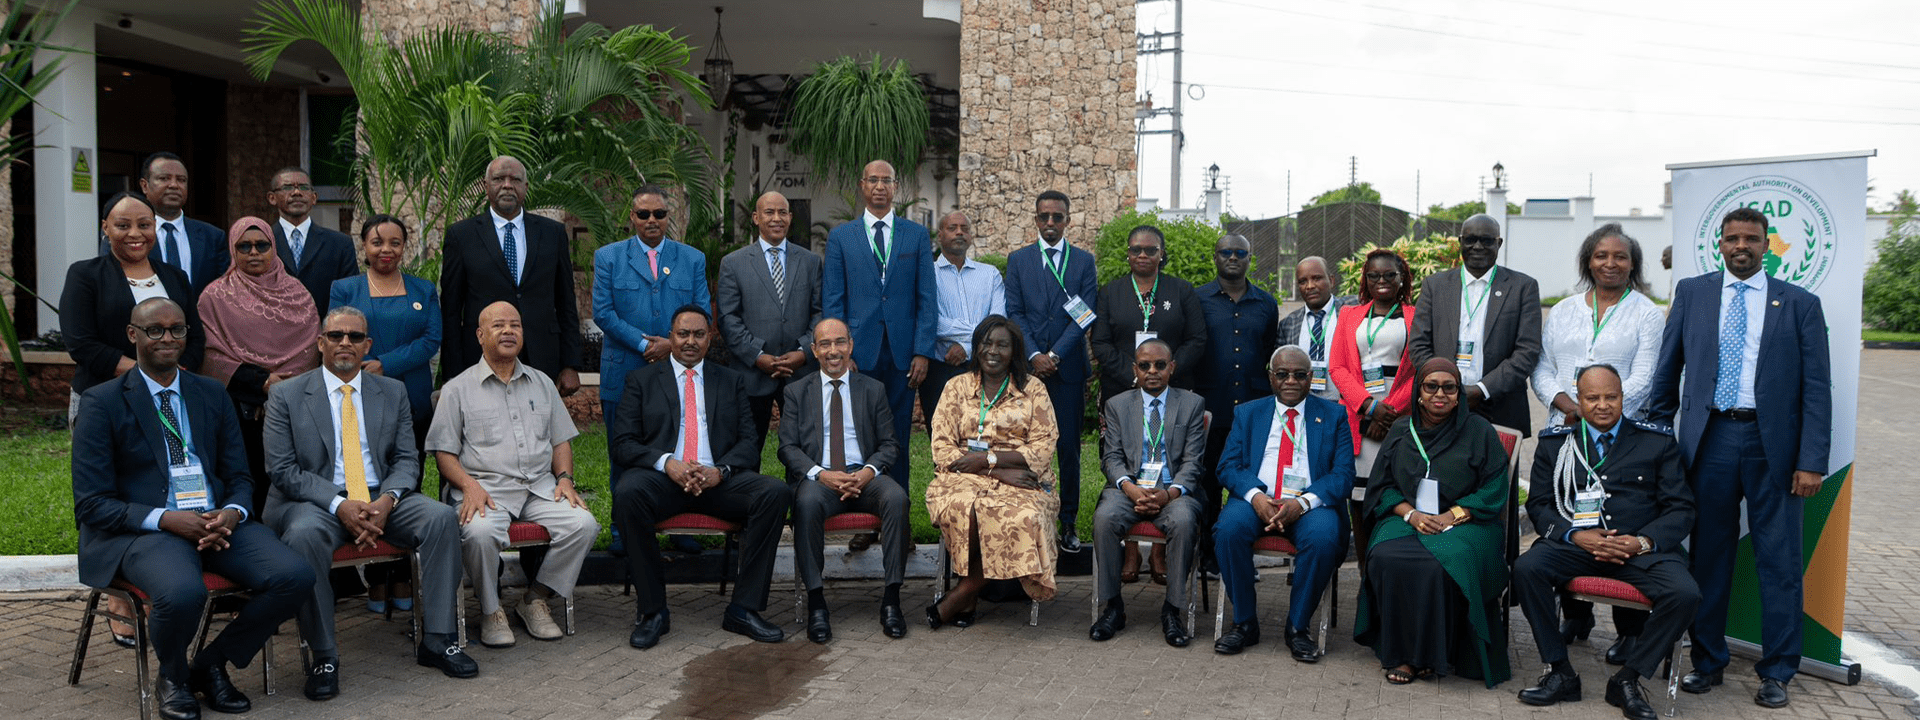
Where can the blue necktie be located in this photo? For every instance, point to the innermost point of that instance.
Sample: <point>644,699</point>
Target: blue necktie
<point>1733,347</point>
<point>512,254</point>
<point>171,249</point>
<point>1317,350</point>
<point>1602,446</point>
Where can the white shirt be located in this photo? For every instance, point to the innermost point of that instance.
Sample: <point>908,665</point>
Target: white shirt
<point>704,452</point>
<point>1630,342</point>
<point>850,441</point>
<point>152,522</point>
<point>306,235</point>
<point>1052,256</point>
<point>179,225</point>
<point>519,223</point>
<point>339,450</point>
<point>1270,454</point>
<point>867,220</point>
<point>1476,293</point>
<point>1756,317</point>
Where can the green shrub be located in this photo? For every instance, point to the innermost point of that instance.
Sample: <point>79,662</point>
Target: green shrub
<point>1425,257</point>
<point>1189,247</point>
<point>999,262</point>
<point>1891,297</point>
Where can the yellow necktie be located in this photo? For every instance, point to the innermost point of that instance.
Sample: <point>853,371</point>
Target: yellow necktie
<point>350,446</point>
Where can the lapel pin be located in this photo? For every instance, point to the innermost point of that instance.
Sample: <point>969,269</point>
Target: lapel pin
<point>418,306</point>
<point>1776,303</point>
<point>666,271</point>
<point>1499,293</point>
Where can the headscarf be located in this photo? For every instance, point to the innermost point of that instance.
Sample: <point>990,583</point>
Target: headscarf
<point>1438,440</point>
<point>269,321</point>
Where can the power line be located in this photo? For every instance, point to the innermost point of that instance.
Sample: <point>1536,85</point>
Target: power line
<point>1534,106</point>
<point>1697,23</point>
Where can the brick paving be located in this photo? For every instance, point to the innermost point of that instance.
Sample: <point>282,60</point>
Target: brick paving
<point>999,668</point>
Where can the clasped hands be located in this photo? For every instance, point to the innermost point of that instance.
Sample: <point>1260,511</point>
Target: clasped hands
<point>208,530</point>
<point>1147,502</point>
<point>692,478</point>
<point>1276,515</point>
<point>1607,544</point>
<point>779,367</point>
<point>1427,524</point>
<point>367,521</point>
<point>975,463</point>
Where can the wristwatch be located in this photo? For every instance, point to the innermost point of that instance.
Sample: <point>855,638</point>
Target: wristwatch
<point>1646,546</point>
<point>993,460</point>
<point>397,493</point>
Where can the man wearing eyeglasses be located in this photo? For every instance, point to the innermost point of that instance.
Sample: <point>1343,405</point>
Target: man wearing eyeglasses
<point>1240,338</point>
<point>316,255</point>
<point>1486,318</point>
<point>1287,468</point>
<point>339,449</point>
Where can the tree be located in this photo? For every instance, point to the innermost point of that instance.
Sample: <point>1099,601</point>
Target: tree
<point>1459,212</point>
<point>1357,192</point>
<point>1891,296</point>
<point>850,112</point>
<point>1903,203</point>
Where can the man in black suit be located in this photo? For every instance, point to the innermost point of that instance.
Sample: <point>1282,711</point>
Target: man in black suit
<point>316,255</point>
<point>1487,319</point>
<point>156,511</point>
<point>197,248</point>
<point>685,435</point>
<point>512,255</point>
<point>836,439</point>
<point>1608,498</point>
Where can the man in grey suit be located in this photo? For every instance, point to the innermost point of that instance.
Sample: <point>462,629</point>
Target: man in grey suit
<point>836,439</point>
<point>1487,320</point>
<point>327,493</point>
<point>1311,327</point>
<point>769,296</point>
<point>1150,452</point>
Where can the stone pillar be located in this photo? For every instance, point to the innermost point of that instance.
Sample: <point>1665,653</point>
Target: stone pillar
<point>399,19</point>
<point>263,135</point>
<point>1046,103</point>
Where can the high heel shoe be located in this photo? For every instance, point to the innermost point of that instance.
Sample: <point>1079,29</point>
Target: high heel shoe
<point>933,616</point>
<point>1576,629</point>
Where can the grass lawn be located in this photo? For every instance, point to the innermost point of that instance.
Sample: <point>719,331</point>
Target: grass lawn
<point>1888,336</point>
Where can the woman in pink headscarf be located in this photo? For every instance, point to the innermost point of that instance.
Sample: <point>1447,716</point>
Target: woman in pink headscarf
<point>261,328</point>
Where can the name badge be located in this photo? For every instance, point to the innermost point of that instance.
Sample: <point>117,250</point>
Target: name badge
<point>1078,310</point>
<point>1427,497</point>
<point>977,445</point>
<point>1587,505</point>
<point>1374,378</point>
<point>187,488</point>
<point>1294,481</point>
<point>1319,384</point>
<point>1150,475</point>
<point>1142,337</point>
<point>1463,355</point>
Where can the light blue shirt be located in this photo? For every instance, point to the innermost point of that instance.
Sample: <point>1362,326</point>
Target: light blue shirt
<point>849,440</point>
<point>334,396</point>
<point>1756,318</point>
<point>152,522</point>
<point>967,294</point>
<point>184,260</point>
<point>519,223</point>
<point>1146,439</point>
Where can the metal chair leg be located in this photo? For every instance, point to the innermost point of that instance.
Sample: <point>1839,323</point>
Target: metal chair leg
<point>1673,676</point>
<point>80,641</point>
<point>1220,609</point>
<point>143,646</point>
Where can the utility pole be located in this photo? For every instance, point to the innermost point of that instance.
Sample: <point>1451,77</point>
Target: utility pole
<point>1154,44</point>
<point>1353,170</point>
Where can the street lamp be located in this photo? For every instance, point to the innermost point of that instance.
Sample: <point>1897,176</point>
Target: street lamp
<point>1499,175</point>
<point>1213,176</point>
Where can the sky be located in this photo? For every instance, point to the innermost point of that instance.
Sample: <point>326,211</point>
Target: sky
<point>1573,98</point>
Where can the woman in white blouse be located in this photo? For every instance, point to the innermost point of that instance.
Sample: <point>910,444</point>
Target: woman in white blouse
<point>1612,322</point>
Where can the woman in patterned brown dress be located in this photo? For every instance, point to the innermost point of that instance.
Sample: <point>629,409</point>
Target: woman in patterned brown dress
<point>992,494</point>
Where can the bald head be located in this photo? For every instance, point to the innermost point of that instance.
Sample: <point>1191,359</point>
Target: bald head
<point>158,356</point>
<point>1479,243</point>
<point>500,332</point>
<point>877,183</point>
<point>506,184</point>
<point>955,235</point>
<point>772,216</point>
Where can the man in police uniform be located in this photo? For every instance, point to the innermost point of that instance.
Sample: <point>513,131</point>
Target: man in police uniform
<point>1609,498</point>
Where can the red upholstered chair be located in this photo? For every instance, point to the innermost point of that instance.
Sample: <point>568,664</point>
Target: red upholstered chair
<point>520,534</point>
<point>1145,532</point>
<point>381,551</point>
<point>840,525</point>
<point>1608,591</point>
<point>217,587</point>
<point>1276,546</point>
<point>690,523</point>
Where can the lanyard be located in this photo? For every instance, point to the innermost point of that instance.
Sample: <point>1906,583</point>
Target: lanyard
<point>1422,447</point>
<point>882,257</point>
<point>1600,321</point>
<point>1586,440</point>
<point>1146,302</point>
<point>980,429</point>
<point>1286,429</point>
<point>1374,332</point>
<point>1473,308</point>
<point>168,424</point>
<point>1059,270</point>
<point>1320,338</point>
<point>1156,441</point>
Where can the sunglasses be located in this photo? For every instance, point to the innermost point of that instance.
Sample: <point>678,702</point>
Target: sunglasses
<point>1143,250</point>
<point>1441,388</point>
<point>1150,365</point>
<point>1050,217</point>
<point>1235,254</point>
<point>656,214</point>
<point>349,336</point>
<point>1295,375</point>
<point>153,332</point>
<point>257,246</point>
<point>1479,240</point>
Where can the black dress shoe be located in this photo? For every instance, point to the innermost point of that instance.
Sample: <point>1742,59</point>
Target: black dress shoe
<point>1700,683</point>
<point>961,620</point>
<point>1069,542</point>
<point>323,679</point>
<point>1630,698</point>
<point>125,641</point>
<point>893,622</point>
<point>1622,647</point>
<point>741,621</point>
<point>1239,637</point>
<point>1300,644</point>
<point>176,701</point>
<point>648,630</point>
<point>1575,629</point>
<point>819,629</point>
<point>1556,687</point>
<point>1773,694</point>
<point>1172,629</point>
<point>212,683</point>
<point>1112,620</point>
<point>440,651</point>
<point>933,616</point>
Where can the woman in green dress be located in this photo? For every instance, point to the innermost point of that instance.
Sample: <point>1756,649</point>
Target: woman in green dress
<point>1429,605</point>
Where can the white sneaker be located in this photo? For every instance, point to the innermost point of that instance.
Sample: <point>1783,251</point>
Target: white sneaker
<point>494,631</point>
<point>533,612</point>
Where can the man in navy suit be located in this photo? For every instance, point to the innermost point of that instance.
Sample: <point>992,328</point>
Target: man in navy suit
<point>156,510</point>
<point>316,255</point>
<point>1287,467</point>
<point>1756,414</point>
<point>1044,280</point>
<point>878,277</point>
<point>197,248</point>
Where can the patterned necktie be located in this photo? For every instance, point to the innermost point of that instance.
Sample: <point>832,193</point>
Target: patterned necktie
<point>881,251</point>
<point>1317,347</point>
<point>170,252</point>
<point>1733,350</point>
<point>779,270</point>
<point>299,244</point>
<point>836,433</point>
<point>176,453</point>
<point>509,248</point>
<point>354,467</point>
<point>1286,453</point>
<point>1157,449</point>
<point>690,422</point>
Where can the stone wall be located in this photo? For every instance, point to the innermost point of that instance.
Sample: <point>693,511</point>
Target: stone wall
<point>1046,103</point>
<point>399,19</point>
<point>263,135</point>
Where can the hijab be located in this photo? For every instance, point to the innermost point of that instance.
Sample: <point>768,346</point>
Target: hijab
<point>1455,433</point>
<point>268,321</point>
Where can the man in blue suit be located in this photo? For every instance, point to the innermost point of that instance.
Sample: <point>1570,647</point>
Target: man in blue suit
<point>197,248</point>
<point>1287,468</point>
<point>878,277</point>
<point>1050,292</point>
<point>1756,414</point>
<point>637,284</point>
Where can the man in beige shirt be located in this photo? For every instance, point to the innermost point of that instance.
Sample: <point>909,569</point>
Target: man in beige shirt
<point>502,438</point>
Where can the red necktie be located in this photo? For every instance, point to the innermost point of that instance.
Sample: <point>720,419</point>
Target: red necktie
<point>1286,454</point>
<point>690,422</point>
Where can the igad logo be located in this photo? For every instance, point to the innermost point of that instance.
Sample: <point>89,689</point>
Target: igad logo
<point>1800,231</point>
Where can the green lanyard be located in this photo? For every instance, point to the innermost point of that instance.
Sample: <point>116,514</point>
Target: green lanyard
<point>1059,269</point>
<point>980,429</point>
<point>1146,302</point>
<point>1600,321</point>
<point>1374,332</point>
<point>1586,440</point>
<point>168,424</point>
<point>882,257</point>
<point>1473,308</point>
<point>1286,429</point>
<point>1320,338</point>
<point>1422,447</point>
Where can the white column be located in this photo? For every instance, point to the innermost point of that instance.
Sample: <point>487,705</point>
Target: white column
<point>1497,207</point>
<point>66,222</point>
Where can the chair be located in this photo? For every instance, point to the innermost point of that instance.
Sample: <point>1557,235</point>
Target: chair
<point>217,587</point>
<point>1608,591</point>
<point>1277,546</point>
<point>691,523</point>
<point>520,534</point>
<point>1510,517</point>
<point>946,571</point>
<point>839,525</point>
<point>1145,532</point>
<point>353,556</point>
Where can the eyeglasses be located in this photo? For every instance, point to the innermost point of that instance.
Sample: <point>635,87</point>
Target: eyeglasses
<point>1440,388</point>
<point>257,246</point>
<point>1383,277</point>
<point>291,188</point>
<point>1150,365</point>
<point>660,214</point>
<point>154,332</point>
<point>1143,250</point>
<point>1050,217</point>
<point>1232,253</point>
<point>877,180</point>
<point>1480,240</point>
<point>1295,375</point>
<point>347,335</point>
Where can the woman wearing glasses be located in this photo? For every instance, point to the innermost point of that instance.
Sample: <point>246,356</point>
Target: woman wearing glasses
<point>1369,351</point>
<point>261,329</point>
<point>1429,605</point>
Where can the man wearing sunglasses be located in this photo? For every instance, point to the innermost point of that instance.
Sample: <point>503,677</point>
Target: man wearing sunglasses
<point>1240,338</point>
<point>1486,318</point>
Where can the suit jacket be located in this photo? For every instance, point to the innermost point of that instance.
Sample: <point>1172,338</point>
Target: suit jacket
<point>1035,301</point>
<point>327,255</point>
<point>473,275</point>
<point>755,320</point>
<point>1792,387</point>
<point>1184,428</point>
<point>95,306</point>
<point>1512,339</point>
<point>630,303</point>
<point>1291,322</point>
<point>1177,318</point>
<point>300,438</point>
<point>1329,449</point>
<point>120,463</point>
<point>647,423</point>
<point>801,430</point>
<point>1647,489</point>
<point>206,243</point>
<point>905,309</point>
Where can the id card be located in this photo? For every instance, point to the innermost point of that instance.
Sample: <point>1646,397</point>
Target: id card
<point>1294,482</point>
<point>1141,337</point>
<point>1078,310</point>
<point>1427,497</point>
<point>1319,383</point>
<point>1587,505</point>
<point>1463,355</point>
<point>187,488</point>
<point>977,445</point>
<point>1374,378</point>
<point>1150,475</point>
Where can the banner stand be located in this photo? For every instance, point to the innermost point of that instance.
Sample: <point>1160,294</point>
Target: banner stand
<point>1846,673</point>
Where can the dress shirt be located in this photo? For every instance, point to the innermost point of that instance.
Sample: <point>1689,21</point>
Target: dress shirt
<point>1052,256</point>
<point>339,451</point>
<point>1240,338</point>
<point>786,261</point>
<point>1270,456</point>
<point>850,440</point>
<point>1476,295</point>
<point>152,521</point>
<point>705,449</point>
<point>1630,342</point>
<point>519,223</point>
<point>1756,319</point>
<point>179,225</point>
<point>286,228</point>
<point>968,293</point>
<point>503,432</point>
<point>867,220</point>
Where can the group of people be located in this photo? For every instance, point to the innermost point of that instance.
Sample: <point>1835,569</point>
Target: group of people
<point>1371,419</point>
